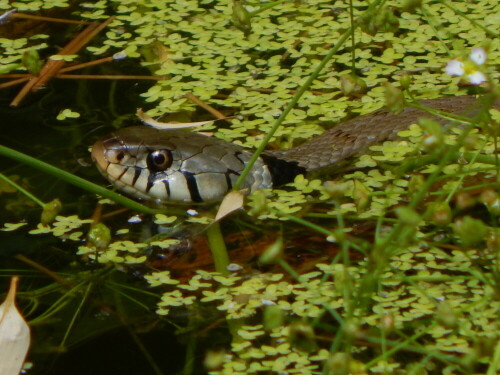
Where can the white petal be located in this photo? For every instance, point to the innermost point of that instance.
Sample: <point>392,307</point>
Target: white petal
<point>478,55</point>
<point>455,68</point>
<point>476,78</point>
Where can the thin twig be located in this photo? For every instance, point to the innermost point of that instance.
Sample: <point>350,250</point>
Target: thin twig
<point>86,65</point>
<point>205,106</point>
<point>44,270</point>
<point>48,19</point>
<point>17,75</point>
<point>110,76</point>
<point>52,67</point>
<point>15,82</point>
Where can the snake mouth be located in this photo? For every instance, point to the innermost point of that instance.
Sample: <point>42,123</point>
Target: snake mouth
<point>98,156</point>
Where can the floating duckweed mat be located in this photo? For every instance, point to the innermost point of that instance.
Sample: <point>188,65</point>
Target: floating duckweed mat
<point>424,299</point>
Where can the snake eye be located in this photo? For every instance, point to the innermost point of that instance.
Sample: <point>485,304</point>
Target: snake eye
<point>159,160</point>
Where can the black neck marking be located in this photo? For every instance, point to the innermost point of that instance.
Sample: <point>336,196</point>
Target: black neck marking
<point>192,186</point>
<point>282,171</point>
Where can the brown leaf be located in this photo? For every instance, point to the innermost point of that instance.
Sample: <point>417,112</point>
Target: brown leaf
<point>14,334</point>
<point>147,120</point>
<point>232,201</point>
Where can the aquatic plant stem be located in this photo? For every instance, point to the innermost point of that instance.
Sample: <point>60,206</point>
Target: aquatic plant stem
<point>353,39</point>
<point>20,189</point>
<point>75,315</point>
<point>341,40</point>
<point>471,20</point>
<point>218,248</point>
<point>495,364</point>
<point>190,360</point>
<point>399,234</point>
<point>406,346</point>
<point>264,7</point>
<point>221,262</point>
<point>75,180</point>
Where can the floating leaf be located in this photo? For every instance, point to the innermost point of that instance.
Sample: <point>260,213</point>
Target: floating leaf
<point>162,219</point>
<point>66,58</point>
<point>14,334</point>
<point>165,125</point>
<point>233,201</point>
<point>8,227</point>
<point>67,113</point>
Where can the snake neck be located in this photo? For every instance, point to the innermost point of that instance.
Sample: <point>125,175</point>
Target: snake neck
<point>282,171</point>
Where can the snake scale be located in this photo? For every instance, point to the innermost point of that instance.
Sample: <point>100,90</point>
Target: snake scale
<point>182,166</point>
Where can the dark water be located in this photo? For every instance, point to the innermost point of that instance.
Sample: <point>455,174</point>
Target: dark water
<point>101,340</point>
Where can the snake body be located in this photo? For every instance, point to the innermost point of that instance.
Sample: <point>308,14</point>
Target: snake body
<point>182,166</point>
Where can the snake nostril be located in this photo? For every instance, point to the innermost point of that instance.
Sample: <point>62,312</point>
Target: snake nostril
<point>116,156</point>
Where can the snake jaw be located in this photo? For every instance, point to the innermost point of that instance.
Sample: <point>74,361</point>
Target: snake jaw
<point>98,156</point>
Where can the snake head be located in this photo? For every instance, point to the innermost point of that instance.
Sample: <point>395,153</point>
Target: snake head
<point>174,165</point>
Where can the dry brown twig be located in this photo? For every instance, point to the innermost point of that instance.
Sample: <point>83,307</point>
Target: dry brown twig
<point>56,68</point>
<point>52,67</point>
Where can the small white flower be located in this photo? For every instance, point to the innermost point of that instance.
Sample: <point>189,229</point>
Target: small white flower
<point>469,69</point>
<point>476,78</point>
<point>455,68</point>
<point>478,55</point>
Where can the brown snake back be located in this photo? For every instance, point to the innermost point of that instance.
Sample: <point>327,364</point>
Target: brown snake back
<point>356,135</point>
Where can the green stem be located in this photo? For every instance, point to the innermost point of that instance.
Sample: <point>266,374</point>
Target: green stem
<point>266,6</point>
<point>296,98</point>
<point>353,40</point>
<point>75,180</point>
<point>495,363</point>
<point>315,227</point>
<point>389,244</point>
<point>458,183</point>
<point>190,360</point>
<point>75,315</point>
<point>19,188</point>
<point>218,248</point>
<point>470,19</point>
<point>406,345</point>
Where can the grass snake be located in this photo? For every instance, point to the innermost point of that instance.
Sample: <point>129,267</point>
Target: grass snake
<point>182,166</point>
